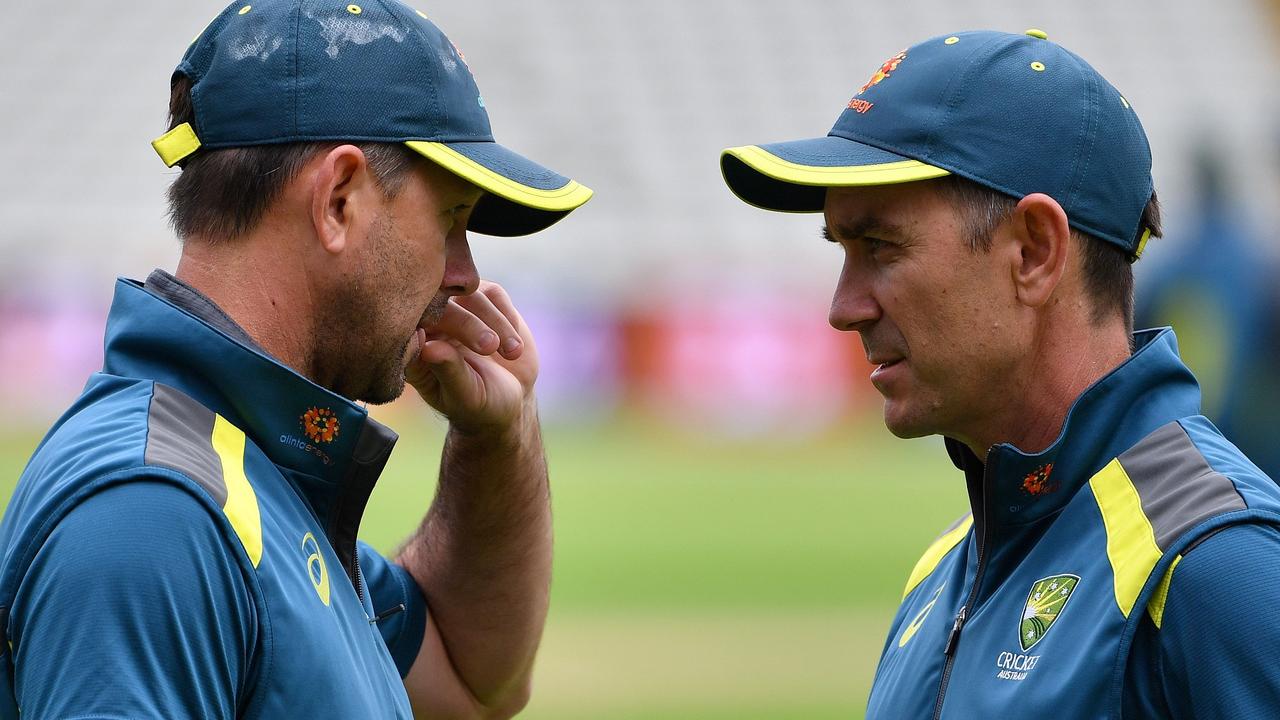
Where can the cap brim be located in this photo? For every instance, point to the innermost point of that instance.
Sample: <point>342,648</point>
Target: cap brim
<point>794,176</point>
<point>521,196</point>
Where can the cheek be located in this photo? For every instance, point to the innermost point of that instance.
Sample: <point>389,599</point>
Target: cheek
<point>952,324</point>
<point>984,340</point>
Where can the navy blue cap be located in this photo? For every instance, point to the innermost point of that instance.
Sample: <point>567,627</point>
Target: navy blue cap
<point>283,71</point>
<point>1016,113</point>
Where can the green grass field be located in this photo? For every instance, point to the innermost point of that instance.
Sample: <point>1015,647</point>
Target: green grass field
<point>701,578</point>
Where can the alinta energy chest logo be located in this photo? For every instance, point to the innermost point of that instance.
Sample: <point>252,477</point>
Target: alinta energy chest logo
<point>320,424</point>
<point>861,106</point>
<point>1038,482</point>
<point>321,427</point>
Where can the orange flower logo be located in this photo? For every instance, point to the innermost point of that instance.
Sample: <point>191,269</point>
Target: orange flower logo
<point>888,67</point>
<point>320,424</point>
<point>1037,483</point>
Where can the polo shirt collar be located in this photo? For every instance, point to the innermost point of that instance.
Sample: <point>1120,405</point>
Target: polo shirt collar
<point>298,424</point>
<point>1150,389</point>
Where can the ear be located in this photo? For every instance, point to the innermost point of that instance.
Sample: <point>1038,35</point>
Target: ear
<point>340,196</point>
<point>1042,242</point>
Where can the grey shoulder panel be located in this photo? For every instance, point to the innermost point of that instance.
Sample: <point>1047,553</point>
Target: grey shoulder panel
<point>1175,484</point>
<point>180,437</point>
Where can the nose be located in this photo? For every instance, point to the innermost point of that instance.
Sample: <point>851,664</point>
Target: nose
<point>460,274</point>
<point>853,306</point>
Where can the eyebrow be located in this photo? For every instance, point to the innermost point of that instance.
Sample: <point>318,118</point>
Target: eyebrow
<point>861,227</point>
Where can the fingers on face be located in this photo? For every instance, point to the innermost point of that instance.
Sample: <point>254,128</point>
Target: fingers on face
<point>442,373</point>
<point>444,359</point>
<point>485,322</point>
<point>502,301</point>
<point>468,328</point>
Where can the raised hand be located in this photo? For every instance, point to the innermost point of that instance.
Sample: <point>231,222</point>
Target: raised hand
<point>478,363</point>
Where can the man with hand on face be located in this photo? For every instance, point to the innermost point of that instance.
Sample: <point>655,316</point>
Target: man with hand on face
<point>1121,558</point>
<point>183,542</point>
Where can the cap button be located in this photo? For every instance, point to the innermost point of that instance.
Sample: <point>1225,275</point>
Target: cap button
<point>1033,32</point>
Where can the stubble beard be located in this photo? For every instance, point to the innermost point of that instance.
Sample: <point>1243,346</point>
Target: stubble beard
<point>356,354</point>
<point>354,359</point>
<point>386,376</point>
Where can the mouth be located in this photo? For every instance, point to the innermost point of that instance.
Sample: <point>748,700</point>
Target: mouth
<point>434,312</point>
<point>413,346</point>
<point>886,371</point>
<point>883,364</point>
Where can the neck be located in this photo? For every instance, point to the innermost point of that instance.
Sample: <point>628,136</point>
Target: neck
<point>1059,368</point>
<point>254,282</point>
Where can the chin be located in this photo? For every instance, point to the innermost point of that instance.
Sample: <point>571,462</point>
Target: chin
<point>903,423</point>
<point>384,393</point>
<point>384,382</point>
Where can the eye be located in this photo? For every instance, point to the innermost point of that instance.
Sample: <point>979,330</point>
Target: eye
<point>873,244</point>
<point>453,214</point>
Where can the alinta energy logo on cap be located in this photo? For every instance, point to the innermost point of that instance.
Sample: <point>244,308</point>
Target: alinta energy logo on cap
<point>886,69</point>
<point>1013,112</point>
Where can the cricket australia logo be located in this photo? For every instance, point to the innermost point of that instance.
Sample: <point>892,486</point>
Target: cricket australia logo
<point>1044,604</point>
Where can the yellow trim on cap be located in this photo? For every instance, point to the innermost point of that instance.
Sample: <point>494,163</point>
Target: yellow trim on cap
<point>1131,543</point>
<point>1142,241</point>
<point>938,550</point>
<point>176,144</point>
<point>562,199</point>
<point>770,165</point>
<point>241,507</point>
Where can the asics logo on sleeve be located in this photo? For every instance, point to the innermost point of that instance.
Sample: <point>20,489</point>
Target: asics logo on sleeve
<point>919,618</point>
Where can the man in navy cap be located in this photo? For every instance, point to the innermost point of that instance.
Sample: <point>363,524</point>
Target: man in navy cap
<point>1120,557</point>
<point>183,542</point>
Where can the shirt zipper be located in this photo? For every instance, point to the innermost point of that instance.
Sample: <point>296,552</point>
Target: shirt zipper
<point>355,575</point>
<point>953,638</point>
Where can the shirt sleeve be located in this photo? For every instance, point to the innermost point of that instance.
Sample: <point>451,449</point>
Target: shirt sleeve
<point>1221,627</point>
<point>135,607</point>
<point>391,585</point>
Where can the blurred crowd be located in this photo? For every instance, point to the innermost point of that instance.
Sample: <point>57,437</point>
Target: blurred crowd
<point>666,297</point>
<point>759,362</point>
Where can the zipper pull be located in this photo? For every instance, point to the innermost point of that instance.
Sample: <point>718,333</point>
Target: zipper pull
<point>954,636</point>
<point>386,614</point>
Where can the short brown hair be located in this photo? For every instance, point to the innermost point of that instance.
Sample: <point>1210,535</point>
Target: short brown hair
<point>1107,268</point>
<point>222,194</point>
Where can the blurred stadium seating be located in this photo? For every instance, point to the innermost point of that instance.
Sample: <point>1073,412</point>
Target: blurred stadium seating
<point>634,99</point>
